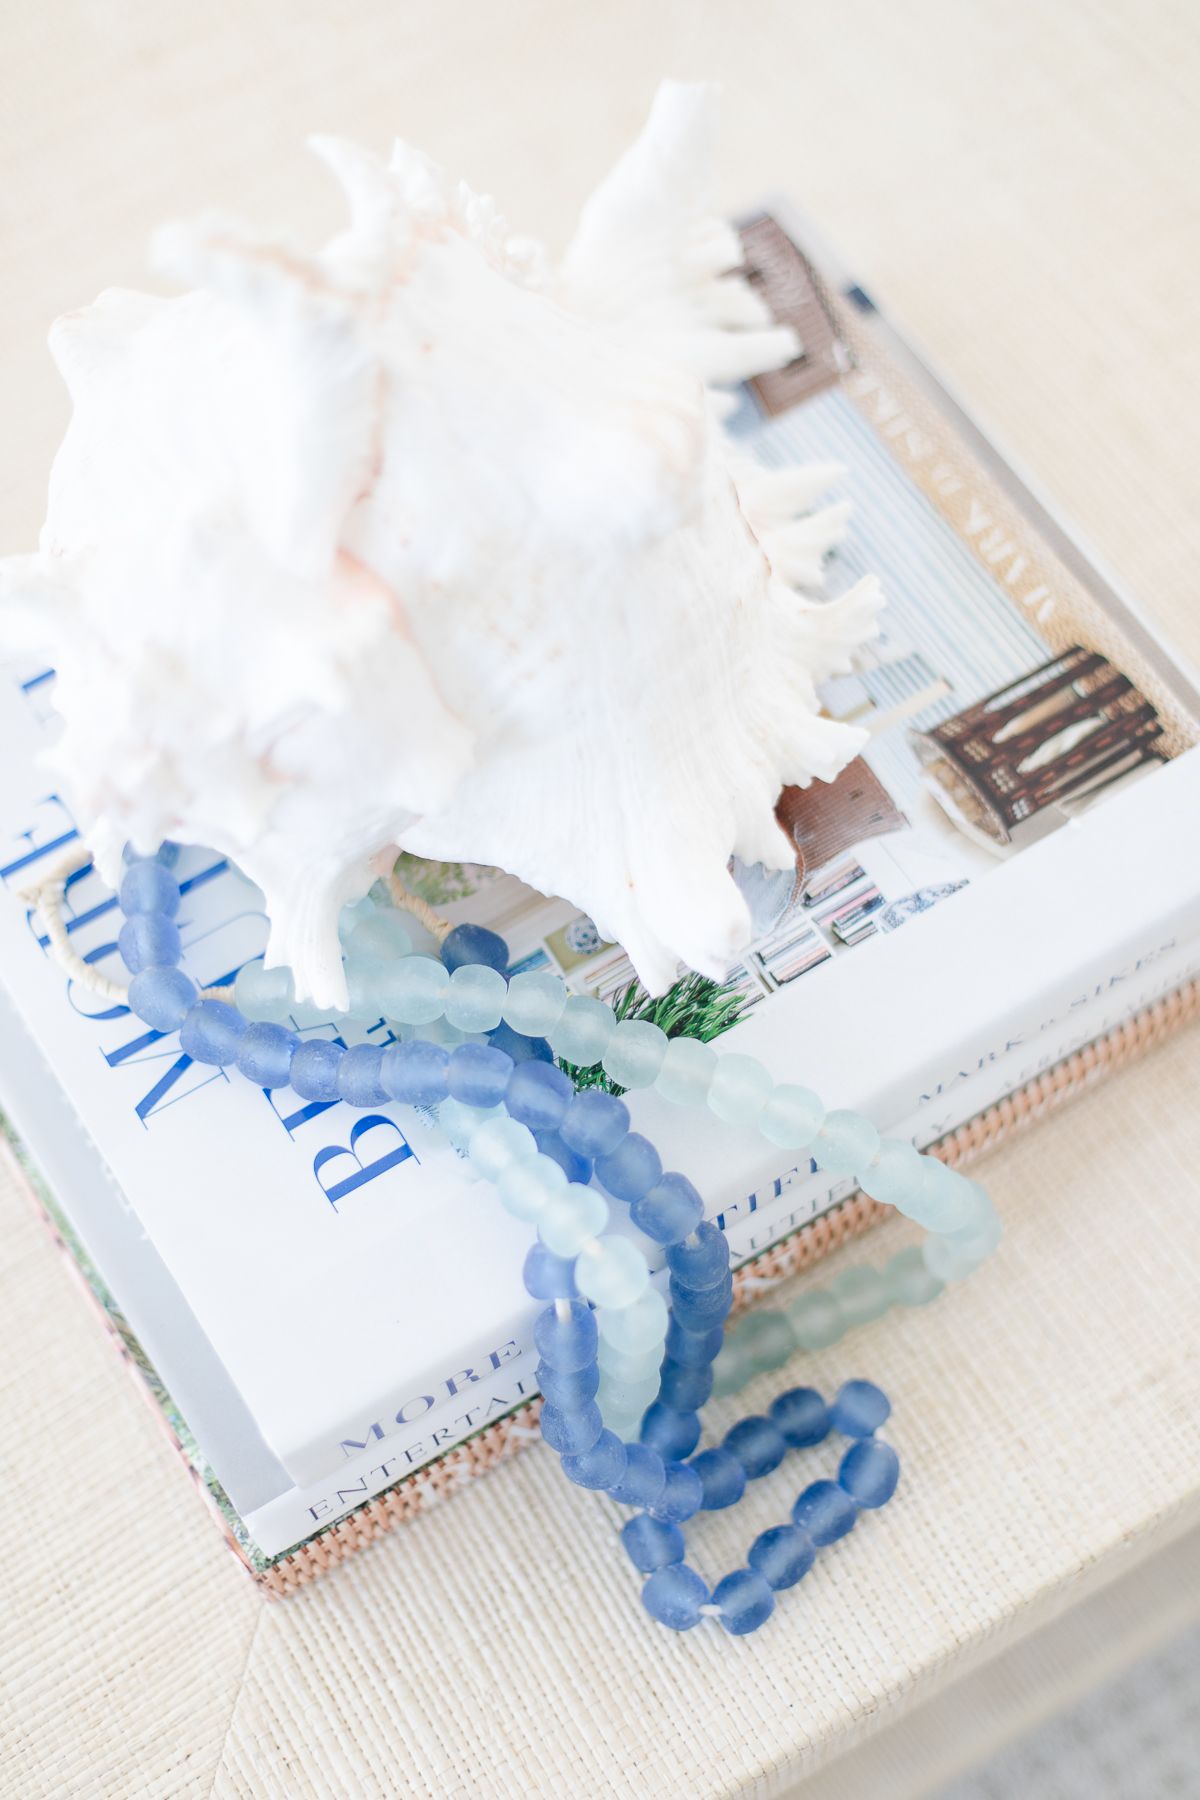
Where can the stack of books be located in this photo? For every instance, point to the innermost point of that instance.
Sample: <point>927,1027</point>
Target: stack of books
<point>324,1306</point>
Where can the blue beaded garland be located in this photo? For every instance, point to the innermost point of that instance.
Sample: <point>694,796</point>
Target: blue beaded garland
<point>149,940</point>
<point>468,944</point>
<point>652,1543</point>
<point>314,1069</point>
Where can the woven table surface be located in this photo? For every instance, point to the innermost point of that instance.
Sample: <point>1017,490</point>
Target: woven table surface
<point>1016,183</point>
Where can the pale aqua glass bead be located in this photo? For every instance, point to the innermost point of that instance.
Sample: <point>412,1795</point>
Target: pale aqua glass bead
<point>908,1280</point>
<point>861,1294</point>
<point>611,1271</point>
<point>792,1117</point>
<point>381,932</point>
<point>816,1319</point>
<point>949,1258</point>
<point>582,1034</point>
<point>352,916</point>
<point>897,1175</point>
<point>629,1366</point>
<point>628,1396</point>
<point>687,1071</point>
<point>845,1143</point>
<point>363,999</point>
<point>527,1186</point>
<point>413,989</point>
<point>459,1123</point>
<point>266,994</point>
<point>973,1211</point>
<point>732,1370</point>
<point>476,997</point>
<point>623,1421</point>
<point>636,1327</point>
<point>766,1338</point>
<point>571,1218</point>
<point>943,1198</point>
<point>740,1089</point>
<point>534,1002</point>
<point>635,1052</point>
<point>497,1142</point>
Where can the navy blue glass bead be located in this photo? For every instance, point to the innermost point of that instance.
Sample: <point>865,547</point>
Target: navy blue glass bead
<point>162,997</point>
<point>415,1072</point>
<point>568,1343</point>
<point>685,1386</point>
<point>645,1477</point>
<point>265,1053</point>
<point>758,1444</point>
<point>149,940</point>
<point>802,1416</point>
<point>682,1494</point>
<point>149,888</point>
<point>869,1472</point>
<point>600,1467</point>
<point>518,1046</point>
<point>704,1263</point>
<point>699,1310</point>
<point>594,1123</point>
<point>782,1555</point>
<point>538,1095</point>
<point>548,1277</point>
<point>673,1434</point>
<point>575,1167</point>
<point>825,1511</point>
<point>668,1211</point>
<point>632,1169</point>
<point>652,1543</point>
<point>211,1032</point>
<point>722,1479</point>
<point>167,854</point>
<point>314,1069</point>
<point>474,944</point>
<point>674,1596</point>
<point>694,1347</point>
<point>568,1388</point>
<point>478,1075</point>
<point>859,1409</point>
<point>570,1432</point>
<point>359,1076</point>
<point>746,1601</point>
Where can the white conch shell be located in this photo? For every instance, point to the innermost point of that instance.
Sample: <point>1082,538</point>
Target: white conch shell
<point>419,542</point>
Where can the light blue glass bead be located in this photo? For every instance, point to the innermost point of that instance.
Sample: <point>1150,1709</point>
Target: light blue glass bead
<point>802,1416</point>
<point>792,1117</point>
<point>766,1338</point>
<point>380,934</point>
<point>950,1258</point>
<point>149,940</point>
<point>538,1095</point>
<point>897,1175</point>
<point>826,1511</point>
<point>211,1032</point>
<point>415,1073</point>
<point>740,1089</point>
<point>546,1276</point>
<point>869,1472</point>
<point>167,854</point>
<point>673,1434</point>
<point>859,1409</point>
<point>358,1075</point>
<point>701,1261</point>
<point>722,1479</point>
<point>758,1445</point>
<point>639,1326</point>
<point>594,1123</point>
<point>478,1075</point>
<point>363,1000</point>
<point>414,989</point>
<point>162,997</point>
<point>694,1348</point>
<point>634,1053</point>
<point>845,1143</point>
<point>527,1186</point>
<point>458,1123</point>
<point>314,1069</point>
<point>684,1386</point>
<point>698,1308</point>
<point>352,916</point>
<point>669,1211</point>
<point>731,1371</point>
<point>908,1281</point>
<point>782,1555</point>
<point>612,1271</point>
<point>147,887</point>
<point>644,1479</point>
<point>497,1142</point>
<point>622,1405</point>
<point>265,1053</point>
<point>652,1543</point>
<point>574,1167</point>
<point>943,1199</point>
<point>267,994</point>
<point>600,1467</point>
<point>476,997</point>
<point>681,1496</point>
<point>571,1218</point>
<point>569,1389</point>
<point>582,1033</point>
<point>972,1212</point>
<point>571,1432</point>
<point>861,1295</point>
<point>817,1320</point>
<point>623,1366</point>
<point>567,1342</point>
<point>631,1170</point>
<point>674,1596</point>
<point>746,1601</point>
<point>687,1072</point>
<point>534,1002</point>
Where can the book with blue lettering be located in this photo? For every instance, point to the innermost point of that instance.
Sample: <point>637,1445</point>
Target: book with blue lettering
<point>327,1308</point>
